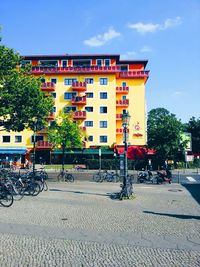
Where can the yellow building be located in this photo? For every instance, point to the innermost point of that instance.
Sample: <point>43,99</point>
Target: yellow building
<point>98,89</point>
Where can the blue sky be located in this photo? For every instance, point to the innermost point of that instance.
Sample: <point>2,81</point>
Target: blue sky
<point>166,33</point>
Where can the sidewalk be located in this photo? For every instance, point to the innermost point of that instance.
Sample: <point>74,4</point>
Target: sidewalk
<point>80,224</point>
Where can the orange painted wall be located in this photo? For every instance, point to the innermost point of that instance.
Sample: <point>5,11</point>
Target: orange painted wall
<point>136,67</point>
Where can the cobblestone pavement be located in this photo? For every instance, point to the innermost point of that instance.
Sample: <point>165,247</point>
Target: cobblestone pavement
<point>80,224</point>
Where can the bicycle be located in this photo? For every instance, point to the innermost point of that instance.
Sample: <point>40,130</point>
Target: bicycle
<point>65,176</point>
<point>6,197</point>
<point>105,175</point>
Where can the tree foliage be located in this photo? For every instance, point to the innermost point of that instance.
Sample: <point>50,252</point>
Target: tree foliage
<point>193,127</point>
<point>164,133</point>
<point>65,134</point>
<point>21,100</point>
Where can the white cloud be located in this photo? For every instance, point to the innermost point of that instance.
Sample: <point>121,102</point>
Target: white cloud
<point>133,54</point>
<point>127,55</point>
<point>145,49</point>
<point>102,39</point>
<point>150,27</point>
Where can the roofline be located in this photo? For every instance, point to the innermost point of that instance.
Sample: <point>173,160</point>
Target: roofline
<point>73,56</point>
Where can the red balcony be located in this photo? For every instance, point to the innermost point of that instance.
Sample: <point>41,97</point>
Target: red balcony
<point>79,115</point>
<point>79,100</point>
<point>48,86</point>
<point>79,86</point>
<point>122,103</point>
<point>43,144</point>
<point>83,128</point>
<point>51,116</point>
<point>134,74</point>
<point>122,90</point>
<point>121,130</point>
<point>90,69</point>
<point>118,116</point>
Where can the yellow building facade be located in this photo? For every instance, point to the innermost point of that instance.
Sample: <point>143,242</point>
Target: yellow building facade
<point>97,89</point>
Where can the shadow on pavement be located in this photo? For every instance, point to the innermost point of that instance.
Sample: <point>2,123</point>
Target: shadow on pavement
<point>194,190</point>
<point>79,192</point>
<point>179,216</point>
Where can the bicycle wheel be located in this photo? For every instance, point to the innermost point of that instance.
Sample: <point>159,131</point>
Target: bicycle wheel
<point>69,177</point>
<point>36,189</point>
<point>45,186</point>
<point>97,177</point>
<point>6,198</point>
<point>116,178</point>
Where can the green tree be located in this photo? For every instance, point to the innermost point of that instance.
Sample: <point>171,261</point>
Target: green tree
<point>65,134</point>
<point>164,134</point>
<point>193,127</point>
<point>21,100</point>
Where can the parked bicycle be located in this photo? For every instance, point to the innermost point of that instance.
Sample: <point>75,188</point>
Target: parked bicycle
<point>65,176</point>
<point>6,197</point>
<point>106,176</point>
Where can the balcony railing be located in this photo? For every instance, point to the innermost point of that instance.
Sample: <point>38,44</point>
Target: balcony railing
<point>79,86</point>
<point>118,116</point>
<point>122,103</point>
<point>120,130</point>
<point>48,86</point>
<point>51,116</point>
<point>122,89</point>
<point>90,69</point>
<point>79,100</point>
<point>83,128</point>
<point>43,144</point>
<point>134,74</point>
<point>79,115</point>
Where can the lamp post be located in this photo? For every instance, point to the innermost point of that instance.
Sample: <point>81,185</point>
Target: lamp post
<point>127,184</point>
<point>35,126</point>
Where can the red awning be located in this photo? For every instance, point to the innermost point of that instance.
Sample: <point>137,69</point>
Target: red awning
<point>136,152</point>
<point>120,150</point>
<point>151,152</point>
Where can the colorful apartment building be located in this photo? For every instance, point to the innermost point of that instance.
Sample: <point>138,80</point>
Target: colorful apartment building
<point>97,89</point>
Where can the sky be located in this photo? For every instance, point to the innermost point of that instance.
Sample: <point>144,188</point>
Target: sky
<point>166,33</point>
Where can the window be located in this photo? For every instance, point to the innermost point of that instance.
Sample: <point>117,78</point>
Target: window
<point>99,62</point>
<point>103,124</point>
<point>48,63</point>
<point>89,80</point>
<point>69,109</point>
<point>103,81</point>
<point>54,109</point>
<point>82,63</point>
<point>90,138</point>
<point>124,68</point>
<point>37,138</point>
<point>89,95</point>
<point>103,95</point>
<point>6,138</point>
<point>107,62</point>
<point>89,109</point>
<point>103,109</point>
<point>123,84</point>
<point>88,123</point>
<point>123,97</point>
<point>43,80</point>
<point>64,63</point>
<point>54,80</point>
<point>103,139</point>
<point>54,95</point>
<point>18,138</point>
<point>69,96</point>
<point>69,81</point>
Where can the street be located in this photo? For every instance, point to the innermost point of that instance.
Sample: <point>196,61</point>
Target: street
<point>82,224</point>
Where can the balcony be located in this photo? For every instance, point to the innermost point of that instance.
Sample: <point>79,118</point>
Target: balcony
<point>79,100</point>
<point>134,74</point>
<point>51,116</point>
<point>61,70</point>
<point>119,117</point>
<point>43,145</point>
<point>120,131</point>
<point>48,86</point>
<point>122,90</point>
<point>83,128</point>
<point>79,115</point>
<point>42,131</point>
<point>79,86</point>
<point>122,103</point>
